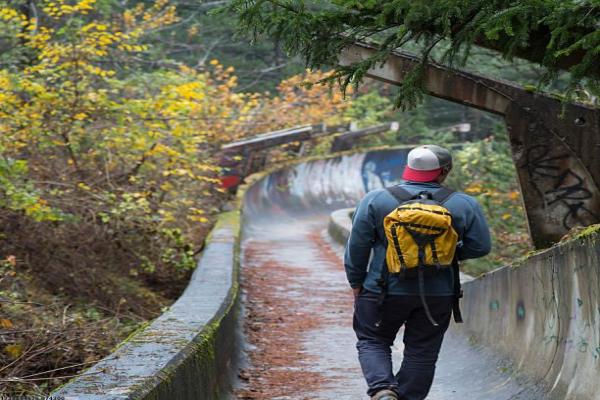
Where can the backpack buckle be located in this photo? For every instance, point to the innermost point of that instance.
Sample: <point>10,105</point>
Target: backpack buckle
<point>425,195</point>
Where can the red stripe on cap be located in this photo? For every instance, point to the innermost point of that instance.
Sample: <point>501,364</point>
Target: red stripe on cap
<point>414,175</point>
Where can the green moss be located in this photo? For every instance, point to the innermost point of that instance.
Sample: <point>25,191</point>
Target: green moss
<point>584,233</point>
<point>473,341</point>
<point>587,232</point>
<point>133,334</point>
<point>204,346</point>
<point>228,218</point>
<point>523,259</point>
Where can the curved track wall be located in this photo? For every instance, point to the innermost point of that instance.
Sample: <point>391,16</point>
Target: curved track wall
<point>186,353</point>
<point>321,186</point>
<point>543,313</point>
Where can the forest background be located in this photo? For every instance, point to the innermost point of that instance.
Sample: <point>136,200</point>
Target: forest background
<point>112,114</point>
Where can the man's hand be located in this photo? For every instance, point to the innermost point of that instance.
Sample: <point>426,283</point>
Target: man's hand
<point>356,291</point>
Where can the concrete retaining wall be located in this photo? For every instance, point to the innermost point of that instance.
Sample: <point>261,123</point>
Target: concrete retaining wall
<point>340,224</point>
<point>186,353</point>
<point>324,185</point>
<point>543,313</point>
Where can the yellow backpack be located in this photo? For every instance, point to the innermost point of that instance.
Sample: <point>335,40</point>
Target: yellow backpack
<point>421,240</point>
<point>419,231</point>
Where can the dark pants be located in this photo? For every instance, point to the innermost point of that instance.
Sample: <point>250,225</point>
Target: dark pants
<point>422,341</point>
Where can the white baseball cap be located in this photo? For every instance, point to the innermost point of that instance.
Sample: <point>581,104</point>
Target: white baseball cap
<point>426,163</point>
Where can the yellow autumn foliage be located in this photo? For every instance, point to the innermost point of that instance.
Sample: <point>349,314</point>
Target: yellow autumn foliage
<point>133,150</point>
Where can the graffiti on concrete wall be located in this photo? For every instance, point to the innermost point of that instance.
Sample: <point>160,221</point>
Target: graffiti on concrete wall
<point>383,168</point>
<point>330,183</point>
<point>521,310</point>
<point>567,189</point>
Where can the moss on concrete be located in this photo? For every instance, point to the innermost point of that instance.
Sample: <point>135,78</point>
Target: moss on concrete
<point>591,232</point>
<point>133,334</point>
<point>200,357</point>
<point>202,350</point>
<point>588,232</point>
<point>526,257</point>
<point>225,219</point>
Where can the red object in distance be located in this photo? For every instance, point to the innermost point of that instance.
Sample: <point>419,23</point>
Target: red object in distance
<point>230,181</point>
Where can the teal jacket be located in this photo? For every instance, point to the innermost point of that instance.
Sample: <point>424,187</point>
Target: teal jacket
<point>367,235</point>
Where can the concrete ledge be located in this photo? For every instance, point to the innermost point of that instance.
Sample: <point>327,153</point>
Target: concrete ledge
<point>187,352</point>
<point>340,224</point>
<point>544,315</point>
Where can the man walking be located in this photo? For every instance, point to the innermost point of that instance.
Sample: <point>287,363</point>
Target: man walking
<point>390,292</point>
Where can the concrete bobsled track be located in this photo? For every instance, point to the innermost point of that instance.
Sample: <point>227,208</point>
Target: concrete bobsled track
<point>531,331</point>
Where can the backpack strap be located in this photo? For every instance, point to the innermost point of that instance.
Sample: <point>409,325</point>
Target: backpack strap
<point>400,194</point>
<point>443,194</point>
<point>458,292</point>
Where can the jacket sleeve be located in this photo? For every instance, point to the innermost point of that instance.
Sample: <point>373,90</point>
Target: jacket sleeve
<point>360,242</point>
<point>476,241</point>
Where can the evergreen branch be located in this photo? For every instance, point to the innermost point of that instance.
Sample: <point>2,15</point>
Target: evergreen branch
<point>554,34</point>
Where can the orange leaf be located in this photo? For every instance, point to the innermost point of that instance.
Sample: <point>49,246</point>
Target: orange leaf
<point>6,323</point>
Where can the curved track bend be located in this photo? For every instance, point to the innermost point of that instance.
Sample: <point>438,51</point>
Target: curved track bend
<point>298,306</point>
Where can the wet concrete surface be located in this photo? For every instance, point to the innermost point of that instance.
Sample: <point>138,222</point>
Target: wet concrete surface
<point>299,325</point>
